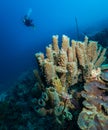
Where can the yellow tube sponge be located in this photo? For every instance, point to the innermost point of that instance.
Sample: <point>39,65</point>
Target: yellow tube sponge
<point>49,71</point>
<point>65,43</point>
<point>55,43</point>
<point>53,96</point>
<point>49,53</point>
<point>57,84</point>
<point>71,60</point>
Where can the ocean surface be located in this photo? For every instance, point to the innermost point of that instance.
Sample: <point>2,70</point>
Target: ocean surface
<point>19,43</point>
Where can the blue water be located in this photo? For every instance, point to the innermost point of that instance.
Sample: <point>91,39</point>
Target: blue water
<point>19,43</point>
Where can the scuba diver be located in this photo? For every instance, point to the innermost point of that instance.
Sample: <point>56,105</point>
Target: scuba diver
<point>27,20</point>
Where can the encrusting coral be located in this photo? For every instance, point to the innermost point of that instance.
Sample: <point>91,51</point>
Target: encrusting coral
<point>95,113</point>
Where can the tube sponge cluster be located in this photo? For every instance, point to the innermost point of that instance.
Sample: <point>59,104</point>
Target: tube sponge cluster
<point>62,69</point>
<point>73,59</point>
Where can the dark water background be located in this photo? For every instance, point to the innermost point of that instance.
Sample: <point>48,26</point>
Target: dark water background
<point>18,44</point>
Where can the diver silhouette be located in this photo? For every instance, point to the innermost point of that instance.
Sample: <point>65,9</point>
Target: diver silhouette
<point>27,20</point>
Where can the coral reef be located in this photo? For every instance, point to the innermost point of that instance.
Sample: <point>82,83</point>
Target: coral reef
<point>68,91</point>
<point>70,62</point>
<point>95,113</point>
<point>64,67</point>
<point>102,38</point>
